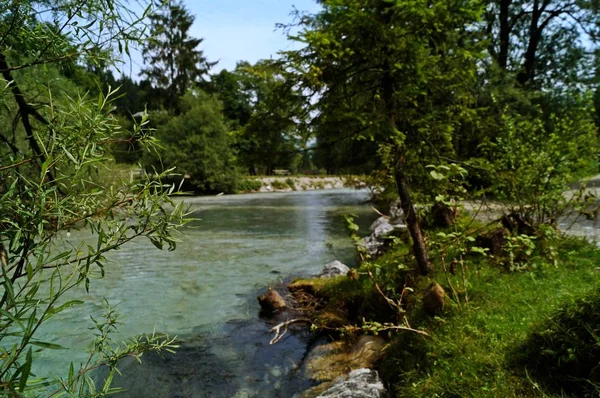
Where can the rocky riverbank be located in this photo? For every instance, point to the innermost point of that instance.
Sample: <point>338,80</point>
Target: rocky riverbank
<point>344,367</point>
<point>296,183</point>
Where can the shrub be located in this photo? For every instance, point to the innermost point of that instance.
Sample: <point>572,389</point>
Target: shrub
<point>290,182</point>
<point>248,185</point>
<point>564,352</point>
<point>536,157</point>
<point>278,184</point>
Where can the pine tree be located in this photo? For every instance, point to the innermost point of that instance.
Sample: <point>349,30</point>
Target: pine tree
<point>174,61</point>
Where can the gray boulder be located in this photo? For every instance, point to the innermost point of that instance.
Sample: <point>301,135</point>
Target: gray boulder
<point>381,228</point>
<point>396,213</point>
<point>383,220</point>
<point>360,383</point>
<point>372,245</point>
<point>334,268</point>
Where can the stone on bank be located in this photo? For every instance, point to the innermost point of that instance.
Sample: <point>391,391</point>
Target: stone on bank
<point>334,268</point>
<point>360,383</point>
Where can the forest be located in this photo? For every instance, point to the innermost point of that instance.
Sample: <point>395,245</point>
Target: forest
<point>432,104</point>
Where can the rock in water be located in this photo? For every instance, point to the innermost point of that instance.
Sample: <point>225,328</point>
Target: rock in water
<point>360,383</point>
<point>334,268</point>
<point>434,298</point>
<point>271,302</point>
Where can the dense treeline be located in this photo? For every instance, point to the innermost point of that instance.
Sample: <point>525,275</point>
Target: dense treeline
<point>456,84</point>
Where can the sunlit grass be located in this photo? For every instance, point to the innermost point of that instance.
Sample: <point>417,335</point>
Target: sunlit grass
<point>472,351</point>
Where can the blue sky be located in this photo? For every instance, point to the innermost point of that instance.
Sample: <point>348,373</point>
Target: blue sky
<point>236,30</point>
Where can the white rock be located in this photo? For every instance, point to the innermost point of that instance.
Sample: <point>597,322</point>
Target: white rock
<point>334,268</point>
<point>360,383</point>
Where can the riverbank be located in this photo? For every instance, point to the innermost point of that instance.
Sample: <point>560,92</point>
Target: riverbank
<point>486,333</point>
<point>295,183</point>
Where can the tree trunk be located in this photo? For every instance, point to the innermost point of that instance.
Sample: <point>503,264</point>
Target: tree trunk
<point>527,72</point>
<point>412,222</point>
<point>504,33</point>
<point>410,215</point>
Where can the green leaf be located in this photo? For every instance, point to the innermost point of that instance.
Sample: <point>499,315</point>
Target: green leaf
<point>54,311</point>
<point>47,345</point>
<point>25,370</point>
<point>436,175</point>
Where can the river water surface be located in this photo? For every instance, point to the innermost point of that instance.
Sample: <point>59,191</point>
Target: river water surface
<point>205,293</point>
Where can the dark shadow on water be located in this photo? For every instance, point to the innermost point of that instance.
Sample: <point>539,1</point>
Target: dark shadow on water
<point>235,361</point>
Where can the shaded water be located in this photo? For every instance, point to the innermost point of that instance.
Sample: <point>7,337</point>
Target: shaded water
<point>204,293</point>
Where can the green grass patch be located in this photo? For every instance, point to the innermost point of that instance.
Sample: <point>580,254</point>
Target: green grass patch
<point>474,350</point>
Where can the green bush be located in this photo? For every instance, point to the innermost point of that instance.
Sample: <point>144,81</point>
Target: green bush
<point>535,159</point>
<point>290,182</point>
<point>564,352</point>
<point>248,185</point>
<point>278,184</point>
<point>197,144</point>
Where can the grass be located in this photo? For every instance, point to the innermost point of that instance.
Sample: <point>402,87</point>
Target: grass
<point>473,351</point>
<point>483,348</point>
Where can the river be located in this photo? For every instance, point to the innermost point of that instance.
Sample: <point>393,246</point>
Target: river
<point>205,294</point>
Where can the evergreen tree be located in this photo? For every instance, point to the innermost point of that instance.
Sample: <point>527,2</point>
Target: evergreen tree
<point>174,61</point>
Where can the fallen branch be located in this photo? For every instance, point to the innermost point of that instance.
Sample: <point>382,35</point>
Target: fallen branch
<point>380,328</point>
<point>417,331</point>
<point>277,329</point>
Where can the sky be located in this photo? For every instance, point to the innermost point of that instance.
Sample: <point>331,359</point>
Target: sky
<point>237,30</point>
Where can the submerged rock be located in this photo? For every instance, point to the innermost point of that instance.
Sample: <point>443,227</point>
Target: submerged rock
<point>329,361</point>
<point>272,302</point>
<point>334,268</point>
<point>360,383</point>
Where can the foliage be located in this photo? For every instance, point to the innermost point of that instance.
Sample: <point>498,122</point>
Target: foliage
<point>49,161</point>
<point>249,185</point>
<point>407,85</point>
<point>269,139</point>
<point>237,94</point>
<point>196,143</point>
<point>543,44</point>
<point>533,162</point>
<point>290,183</point>
<point>279,185</point>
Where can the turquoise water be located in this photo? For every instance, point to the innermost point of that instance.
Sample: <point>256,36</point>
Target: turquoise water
<point>205,293</point>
